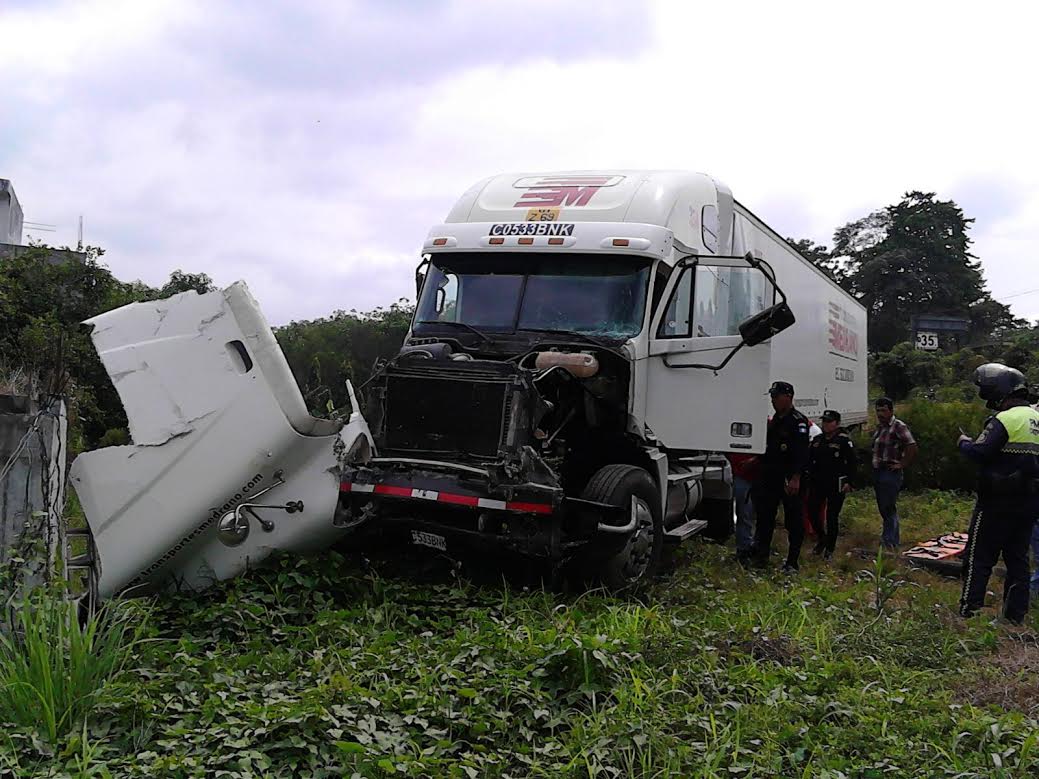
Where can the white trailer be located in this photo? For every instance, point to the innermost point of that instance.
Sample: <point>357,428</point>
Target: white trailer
<point>824,354</point>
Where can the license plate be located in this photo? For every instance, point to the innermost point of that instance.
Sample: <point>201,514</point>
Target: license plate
<point>432,540</point>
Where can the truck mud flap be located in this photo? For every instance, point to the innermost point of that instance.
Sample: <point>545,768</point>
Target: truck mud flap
<point>216,419</point>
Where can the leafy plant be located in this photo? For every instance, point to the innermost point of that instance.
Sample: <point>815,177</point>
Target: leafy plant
<point>885,580</point>
<point>52,666</point>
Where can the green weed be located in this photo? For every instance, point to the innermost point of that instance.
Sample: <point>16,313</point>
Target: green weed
<point>52,667</point>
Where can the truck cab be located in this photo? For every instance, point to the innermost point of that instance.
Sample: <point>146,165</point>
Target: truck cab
<point>586,348</point>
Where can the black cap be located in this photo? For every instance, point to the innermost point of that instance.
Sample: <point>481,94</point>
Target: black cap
<point>781,388</point>
<point>831,416</point>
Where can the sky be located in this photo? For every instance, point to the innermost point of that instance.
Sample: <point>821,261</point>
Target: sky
<point>308,147</point>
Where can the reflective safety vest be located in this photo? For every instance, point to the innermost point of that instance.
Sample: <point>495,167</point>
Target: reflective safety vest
<point>1022,426</point>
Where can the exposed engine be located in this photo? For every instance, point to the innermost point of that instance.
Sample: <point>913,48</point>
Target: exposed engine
<point>544,417</point>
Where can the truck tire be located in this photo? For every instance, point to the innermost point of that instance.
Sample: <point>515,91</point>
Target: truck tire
<point>721,520</point>
<point>638,561</point>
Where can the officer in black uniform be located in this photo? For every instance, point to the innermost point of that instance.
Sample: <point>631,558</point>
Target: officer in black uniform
<point>831,471</point>
<point>782,465</point>
<point>1008,491</point>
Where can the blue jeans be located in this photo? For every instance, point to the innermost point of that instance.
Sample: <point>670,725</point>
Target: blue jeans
<point>744,514</point>
<point>887,485</point>
<point>1035,557</point>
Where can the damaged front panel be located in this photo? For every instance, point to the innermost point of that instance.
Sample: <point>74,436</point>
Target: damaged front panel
<point>478,409</point>
<point>217,421</point>
<point>476,453</point>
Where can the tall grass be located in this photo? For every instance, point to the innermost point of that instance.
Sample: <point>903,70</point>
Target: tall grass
<point>52,666</point>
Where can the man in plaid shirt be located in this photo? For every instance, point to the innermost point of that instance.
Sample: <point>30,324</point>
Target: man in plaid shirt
<point>894,448</point>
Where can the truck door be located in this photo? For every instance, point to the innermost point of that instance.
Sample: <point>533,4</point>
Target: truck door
<point>691,402</point>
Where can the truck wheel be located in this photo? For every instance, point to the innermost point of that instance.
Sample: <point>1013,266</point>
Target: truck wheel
<point>639,559</point>
<point>720,518</point>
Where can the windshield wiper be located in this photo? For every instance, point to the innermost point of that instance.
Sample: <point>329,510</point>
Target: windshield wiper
<point>571,334</point>
<point>470,328</point>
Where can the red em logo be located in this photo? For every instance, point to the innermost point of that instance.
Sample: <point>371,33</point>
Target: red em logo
<point>562,191</point>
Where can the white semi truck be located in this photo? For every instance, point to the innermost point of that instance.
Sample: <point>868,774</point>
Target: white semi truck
<point>586,349</point>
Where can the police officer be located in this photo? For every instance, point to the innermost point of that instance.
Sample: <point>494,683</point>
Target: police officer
<point>1008,491</point>
<point>779,480</point>
<point>831,470</point>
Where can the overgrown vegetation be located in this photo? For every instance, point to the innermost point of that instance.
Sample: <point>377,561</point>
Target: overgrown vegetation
<point>325,353</point>
<point>332,668</point>
<point>52,667</point>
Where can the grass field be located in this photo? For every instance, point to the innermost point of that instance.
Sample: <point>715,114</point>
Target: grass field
<point>331,668</point>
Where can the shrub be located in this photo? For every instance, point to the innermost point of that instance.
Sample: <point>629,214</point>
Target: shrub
<point>904,368</point>
<point>52,667</point>
<point>114,436</point>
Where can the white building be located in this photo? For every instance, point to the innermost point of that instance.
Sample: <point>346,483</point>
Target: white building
<point>10,215</point>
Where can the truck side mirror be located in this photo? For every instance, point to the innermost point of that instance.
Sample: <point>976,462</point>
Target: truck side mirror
<point>765,324</point>
<point>420,276</point>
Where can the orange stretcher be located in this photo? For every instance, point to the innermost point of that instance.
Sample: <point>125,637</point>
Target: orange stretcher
<point>944,553</point>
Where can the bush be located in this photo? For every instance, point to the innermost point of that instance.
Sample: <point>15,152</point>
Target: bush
<point>904,368</point>
<point>114,436</point>
<point>52,667</point>
<point>956,393</point>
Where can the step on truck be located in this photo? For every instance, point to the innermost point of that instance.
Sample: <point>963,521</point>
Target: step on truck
<point>587,347</point>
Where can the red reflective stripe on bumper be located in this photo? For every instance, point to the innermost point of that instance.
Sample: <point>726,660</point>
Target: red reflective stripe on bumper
<point>458,500</point>
<point>397,492</point>
<point>470,501</point>
<point>530,508</point>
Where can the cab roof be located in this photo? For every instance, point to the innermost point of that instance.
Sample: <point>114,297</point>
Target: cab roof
<point>668,198</point>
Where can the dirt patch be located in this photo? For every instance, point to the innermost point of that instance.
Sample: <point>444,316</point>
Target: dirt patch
<point>1007,678</point>
<point>777,649</point>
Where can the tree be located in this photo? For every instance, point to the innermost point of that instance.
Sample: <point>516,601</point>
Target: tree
<point>185,282</point>
<point>324,353</point>
<point>914,258</point>
<point>905,368</point>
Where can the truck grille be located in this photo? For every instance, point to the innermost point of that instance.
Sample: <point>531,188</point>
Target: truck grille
<point>438,414</point>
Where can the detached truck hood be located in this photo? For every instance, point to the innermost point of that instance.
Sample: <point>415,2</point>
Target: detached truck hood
<point>216,418</point>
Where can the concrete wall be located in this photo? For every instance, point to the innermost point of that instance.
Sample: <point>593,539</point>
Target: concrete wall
<point>10,214</point>
<point>32,491</point>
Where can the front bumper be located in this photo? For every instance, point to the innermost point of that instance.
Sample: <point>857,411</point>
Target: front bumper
<point>400,500</point>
